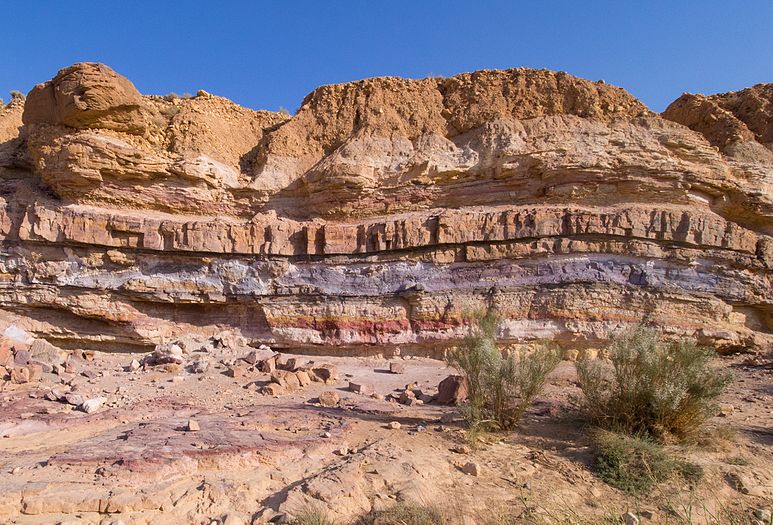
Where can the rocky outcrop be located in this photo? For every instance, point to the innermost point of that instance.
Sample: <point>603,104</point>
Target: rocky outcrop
<point>740,123</point>
<point>383,213</point>
<point>87,96</point>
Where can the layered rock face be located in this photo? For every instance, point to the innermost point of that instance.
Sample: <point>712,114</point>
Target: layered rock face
<point>384,213</point>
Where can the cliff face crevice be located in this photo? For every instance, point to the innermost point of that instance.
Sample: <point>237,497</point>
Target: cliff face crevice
<point>384,212</point>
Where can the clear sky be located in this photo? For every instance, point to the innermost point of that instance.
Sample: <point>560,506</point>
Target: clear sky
<point>270,54</point>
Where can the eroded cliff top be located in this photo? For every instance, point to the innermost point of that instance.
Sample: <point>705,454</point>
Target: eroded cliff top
<point>738,122</point>
<point>383,145</point>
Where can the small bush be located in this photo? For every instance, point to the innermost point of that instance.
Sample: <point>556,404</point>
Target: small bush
<point>635,465</point>
<point>500,388</point>
<point>312,517</point>
<point>170,97</point>
<point>405,514</point>
<point>652,387</point>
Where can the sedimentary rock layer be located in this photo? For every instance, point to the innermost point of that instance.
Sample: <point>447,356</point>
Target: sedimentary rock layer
<point>383,213</point>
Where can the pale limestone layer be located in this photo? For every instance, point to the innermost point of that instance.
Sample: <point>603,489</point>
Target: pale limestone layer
<point>383,213</point>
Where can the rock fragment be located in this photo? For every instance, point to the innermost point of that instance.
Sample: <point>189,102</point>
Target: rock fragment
<point>200,366</point>
<point>238,371</point>
<point>252,357</point>
<point>397,368</point>
<point>329,398</point>
<point>629,518</point>
<point>471,468</point>
<point>92,405</point>
<point>74,399</point>
<point>364,389</point>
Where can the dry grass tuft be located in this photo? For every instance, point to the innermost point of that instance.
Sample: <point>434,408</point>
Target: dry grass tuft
<point>406,514</point>
<point>312,517</point>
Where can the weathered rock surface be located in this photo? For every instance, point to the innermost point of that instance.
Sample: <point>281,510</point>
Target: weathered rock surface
<point>740,124</point>
<point>383,212</point>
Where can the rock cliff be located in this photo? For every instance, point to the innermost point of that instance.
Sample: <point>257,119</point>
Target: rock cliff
<point>384,212</point>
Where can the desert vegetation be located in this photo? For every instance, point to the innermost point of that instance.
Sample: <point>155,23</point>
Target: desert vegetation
<point>500,387</point>
<point>406,513</point>
<point>635,464</point>
<point>651,387</point>
<point>649,395</point>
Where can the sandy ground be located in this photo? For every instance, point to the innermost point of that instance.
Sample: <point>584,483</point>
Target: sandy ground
<point>258,457</point>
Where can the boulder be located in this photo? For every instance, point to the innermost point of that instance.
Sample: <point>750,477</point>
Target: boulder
<point>21,356</point>
<point>269,364</point>
<point>199,366</point>
<point>42,350</point>
<point>74,399</point>
<point>452,390</point>
<point>304,379</point>
<point>329,398</point>
<point>35,372</point>
<point>285,379</point>
<point>165,354</point>
<point>92,405</point>
<point>325,373</point>
<point>629,518</point>
<point>407,397</point>
<point>20,375</point>
<point>273,389</point>
<point>238,371</point>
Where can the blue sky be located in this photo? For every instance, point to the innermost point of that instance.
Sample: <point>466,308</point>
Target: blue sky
<point>270,54</point>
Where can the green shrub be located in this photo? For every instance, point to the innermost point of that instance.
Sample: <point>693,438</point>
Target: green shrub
<point>500,388</point>
<point>652,387</point>
<point>635,464</point>
<point>405,514</point>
